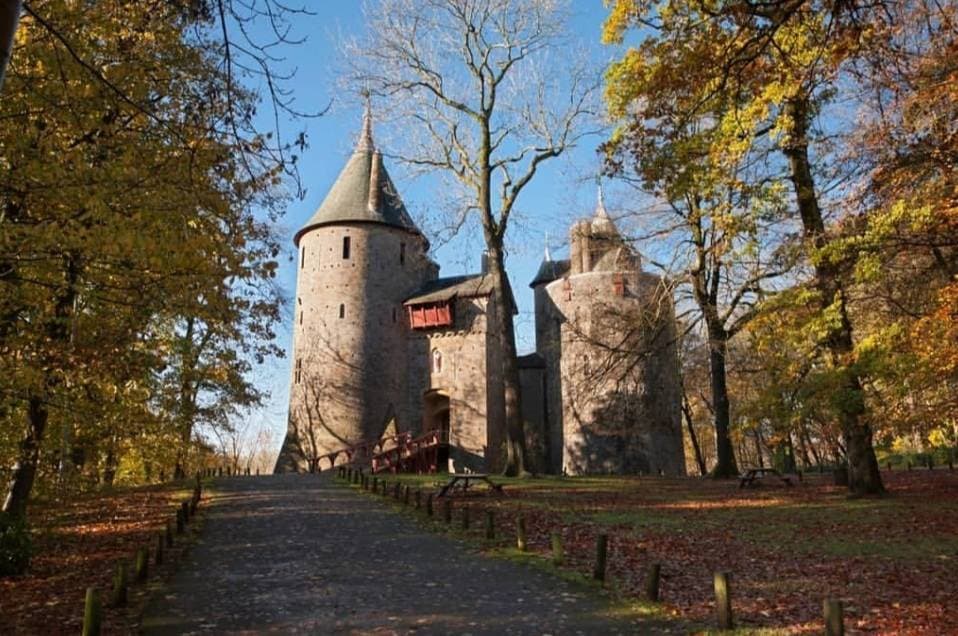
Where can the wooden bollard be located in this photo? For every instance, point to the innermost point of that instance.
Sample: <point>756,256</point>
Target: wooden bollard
<point>169,534</point>
<point>405,496</point>
<point>834,618</point>
<point>652,582</point>
<point>447,511</point>
<point>385,491</point>
<point>465,518</point>
<point>92,613</point>
<point>601,553</point>
<point>557,553</point>
<point>418,498</point>
<point>429,505</point>
<point>376,485</point>
<point>723,600</point>
<point>397,491</point>
<point>490,525</point>
<point>141,566</point>
<point>180,524</point>
<point>120,584</point>
<point>521,533</point>
<point>158,553</point>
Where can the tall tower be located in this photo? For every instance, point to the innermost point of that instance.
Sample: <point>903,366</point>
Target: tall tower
<point>360,256</point>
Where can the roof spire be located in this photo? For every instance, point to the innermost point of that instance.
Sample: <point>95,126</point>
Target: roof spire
<point>600,211</point>
<point>365,143</point>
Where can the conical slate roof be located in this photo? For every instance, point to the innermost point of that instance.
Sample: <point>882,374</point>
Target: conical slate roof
<point>363,192</point>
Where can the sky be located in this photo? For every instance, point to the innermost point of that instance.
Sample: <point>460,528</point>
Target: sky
<point>562,191</point>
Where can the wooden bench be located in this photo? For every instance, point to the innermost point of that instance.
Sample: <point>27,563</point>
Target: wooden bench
<point>749,477</point>
<point>464,480</point>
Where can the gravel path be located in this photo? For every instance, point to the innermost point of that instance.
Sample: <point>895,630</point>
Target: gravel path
<point>300,554</point>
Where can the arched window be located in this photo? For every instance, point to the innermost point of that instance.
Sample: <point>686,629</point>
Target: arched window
<point>436,361</point>
<point>342,311</point>
<point>346,247</point>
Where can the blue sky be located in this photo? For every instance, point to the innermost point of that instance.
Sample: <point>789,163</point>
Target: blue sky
<point>563,190</point>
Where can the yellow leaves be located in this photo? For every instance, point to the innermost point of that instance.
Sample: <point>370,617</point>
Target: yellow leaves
<point>621,17</point>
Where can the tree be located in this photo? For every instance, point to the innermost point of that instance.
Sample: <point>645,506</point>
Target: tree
<point>126,211</point>
<point>772,67</point>
<point>470,76</point>
<point>723,226</point>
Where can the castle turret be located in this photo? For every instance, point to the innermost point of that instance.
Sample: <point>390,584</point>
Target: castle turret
<point>606,332</point>
<point>360,255</point>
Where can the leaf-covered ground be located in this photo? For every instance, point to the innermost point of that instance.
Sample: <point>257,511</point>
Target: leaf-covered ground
<point>891,560</point>
<point>78,544</point>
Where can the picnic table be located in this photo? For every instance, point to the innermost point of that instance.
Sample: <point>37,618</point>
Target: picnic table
<point>464,480</point>
<point>752,474</point>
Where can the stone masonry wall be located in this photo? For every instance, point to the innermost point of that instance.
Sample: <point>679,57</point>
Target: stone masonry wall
<point>349,343</point>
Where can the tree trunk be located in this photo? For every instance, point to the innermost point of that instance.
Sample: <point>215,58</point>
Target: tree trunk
<point>28,458</point>
<point>758,448</point>
<point>57,330</point>
<point>725,454</point>
<point>9,18</point>
<point>687,412</point>
<point>864,478</point>
<point>516,461</point>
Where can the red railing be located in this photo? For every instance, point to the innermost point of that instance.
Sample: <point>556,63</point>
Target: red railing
<point>419,455</point>
<point>393,453</point>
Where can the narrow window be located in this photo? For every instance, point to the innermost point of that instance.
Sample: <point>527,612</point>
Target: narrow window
<point>402,253</point>
<point>342,311</point>
<point>299,370</point>
<point>299,302</point>
<point>302,257</point>
<point>437,361</point>
<point>345,247</point>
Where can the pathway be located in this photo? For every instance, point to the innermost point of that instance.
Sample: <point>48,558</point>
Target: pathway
<point>300,554</point>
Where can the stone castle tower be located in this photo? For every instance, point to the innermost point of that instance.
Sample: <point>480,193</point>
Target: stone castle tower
<point>360,257</point>
<point>382,343</point>
<point>606,335</point>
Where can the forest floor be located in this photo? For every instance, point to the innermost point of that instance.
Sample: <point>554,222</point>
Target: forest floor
<point>78,543</point>
<point>891,560</point>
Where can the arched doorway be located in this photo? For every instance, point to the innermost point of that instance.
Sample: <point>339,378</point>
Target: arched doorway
<point>436,418</point>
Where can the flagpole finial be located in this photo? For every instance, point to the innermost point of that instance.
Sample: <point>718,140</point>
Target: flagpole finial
<point>366,136</point>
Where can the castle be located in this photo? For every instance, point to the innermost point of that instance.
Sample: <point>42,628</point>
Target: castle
<point>383,343</point>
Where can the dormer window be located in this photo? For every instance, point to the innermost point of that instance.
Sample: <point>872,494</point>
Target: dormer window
<point>346,247</point>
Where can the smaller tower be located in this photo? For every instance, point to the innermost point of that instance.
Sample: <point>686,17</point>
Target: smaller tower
<point>606,331</point>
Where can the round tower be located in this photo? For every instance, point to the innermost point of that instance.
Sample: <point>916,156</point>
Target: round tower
<point>607,332</point>
<point>359,256</point>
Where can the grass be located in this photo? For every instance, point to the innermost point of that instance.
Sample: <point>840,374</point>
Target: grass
<point>891,560</point>
<point>78,542</point>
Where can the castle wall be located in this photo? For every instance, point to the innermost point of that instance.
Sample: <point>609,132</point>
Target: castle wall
<point>463,378</point>
<point>549,346</point>
<point>618,374</point>
<point>349,349</point>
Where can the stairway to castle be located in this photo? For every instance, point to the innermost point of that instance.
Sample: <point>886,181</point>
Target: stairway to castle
<point>392,453</point>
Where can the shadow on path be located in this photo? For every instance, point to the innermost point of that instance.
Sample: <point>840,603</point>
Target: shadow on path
<point>297,553</point>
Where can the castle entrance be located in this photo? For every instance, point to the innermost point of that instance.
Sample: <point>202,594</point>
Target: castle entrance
<point>436,418</point>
